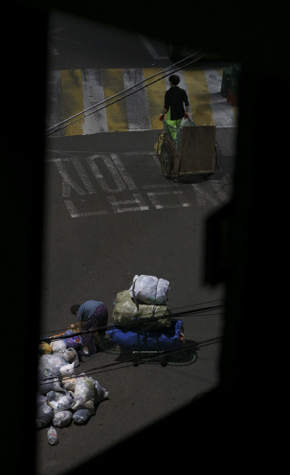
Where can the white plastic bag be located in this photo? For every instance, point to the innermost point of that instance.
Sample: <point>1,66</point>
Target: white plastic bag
<point>62,419</point>
<point>44,415</point>
<point>71,356</point>
<point>69,383</point>
<point>52,437</point>
<point>84,395</point>
<point>58,346</point>
<point>67,370</point>
<point>149,289</point>
<point>59,401</point>
<point>100,393</point>
<point>49,365</point>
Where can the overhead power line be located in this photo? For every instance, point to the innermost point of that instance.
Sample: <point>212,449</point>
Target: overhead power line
<point>209,308</point>
<point>131,359</point>
<point>205,309</point>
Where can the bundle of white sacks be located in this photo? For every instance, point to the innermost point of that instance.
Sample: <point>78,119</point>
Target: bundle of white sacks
<point>150,290</point>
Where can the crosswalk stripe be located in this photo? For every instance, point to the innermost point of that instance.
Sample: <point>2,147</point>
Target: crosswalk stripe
<point>73,91</point>
<point>54,99</point>
<point>155,96</point>
<point>116,113</point>
<point>199,97</point>
<point>222,113</point>
<point>72,99</point>
<point>137,105</point>
<point>93,93</point>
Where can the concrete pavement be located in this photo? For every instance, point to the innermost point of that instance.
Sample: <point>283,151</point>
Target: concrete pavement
<point>91,255</point>
<point>110,214</point>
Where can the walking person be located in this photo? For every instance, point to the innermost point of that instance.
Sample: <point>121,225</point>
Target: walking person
<point>176,105</point>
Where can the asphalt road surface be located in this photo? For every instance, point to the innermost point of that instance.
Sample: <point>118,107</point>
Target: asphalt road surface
<point>110,214</point>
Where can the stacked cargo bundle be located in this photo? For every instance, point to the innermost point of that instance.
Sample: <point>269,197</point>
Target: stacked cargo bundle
<point>142,318</point>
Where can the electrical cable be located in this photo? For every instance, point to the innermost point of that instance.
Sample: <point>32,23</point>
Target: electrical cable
<point>200,310</point>
<point>131,361</point>
<point>171,68</point>
<point>109,101</point>
<point>174,314</point>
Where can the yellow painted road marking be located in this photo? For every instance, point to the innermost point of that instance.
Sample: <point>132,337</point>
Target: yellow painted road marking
<point>72,99</point>
<point>112,82</point>
<point>155,96</point>
<point>116,113</point>
<point>199,98</point>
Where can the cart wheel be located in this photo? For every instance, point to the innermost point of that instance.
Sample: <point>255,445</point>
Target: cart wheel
<point>166,161</point>
<point>206,176</point>
<point>218,154</point>
<point>135,359</point>
<point>183,358</point>
<point>163,362</point>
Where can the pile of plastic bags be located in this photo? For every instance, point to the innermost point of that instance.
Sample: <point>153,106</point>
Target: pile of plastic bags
<point>62,396</point>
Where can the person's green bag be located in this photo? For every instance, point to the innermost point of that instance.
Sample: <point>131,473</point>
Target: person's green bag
<point>173,125</point>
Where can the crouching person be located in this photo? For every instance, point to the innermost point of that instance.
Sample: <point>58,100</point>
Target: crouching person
<point>92,317</point>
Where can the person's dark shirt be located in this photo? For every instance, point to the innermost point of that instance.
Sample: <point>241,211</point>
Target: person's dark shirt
<point>174,98</point>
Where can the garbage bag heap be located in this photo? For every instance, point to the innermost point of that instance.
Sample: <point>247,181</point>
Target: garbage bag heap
<point>63,397</point>
<point>142,319</point>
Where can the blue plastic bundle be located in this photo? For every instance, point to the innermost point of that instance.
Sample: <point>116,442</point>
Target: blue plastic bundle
<point>169,338</point>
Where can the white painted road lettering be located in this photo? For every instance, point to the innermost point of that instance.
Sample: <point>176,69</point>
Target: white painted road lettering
<point>76,214</point>
<point>122,206</point>
<point>67,181</point>
<point>125,175</point>
<point>120,185</point>
<point>99,184</point>
<point>160,204</point>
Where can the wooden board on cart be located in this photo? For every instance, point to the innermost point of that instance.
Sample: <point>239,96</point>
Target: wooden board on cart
<point>197,149</point>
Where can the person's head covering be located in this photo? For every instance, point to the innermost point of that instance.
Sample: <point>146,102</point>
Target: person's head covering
<point>87,309</point>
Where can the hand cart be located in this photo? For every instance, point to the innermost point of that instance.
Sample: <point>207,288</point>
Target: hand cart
<point>163,345</point>
<point>188,150</point>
